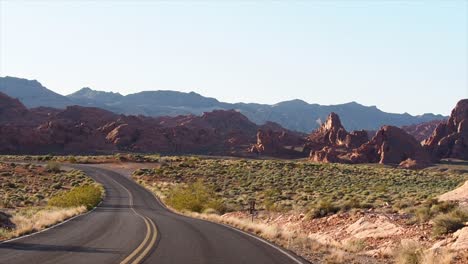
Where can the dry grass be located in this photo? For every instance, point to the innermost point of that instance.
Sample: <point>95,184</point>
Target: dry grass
<point>299,243</point>
<point>355,245</point>
<point>409,252</point>
<point>33,220</point>
<point>443,256</point>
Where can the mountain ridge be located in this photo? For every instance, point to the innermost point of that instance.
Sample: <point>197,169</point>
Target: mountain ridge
<point>293,114</point>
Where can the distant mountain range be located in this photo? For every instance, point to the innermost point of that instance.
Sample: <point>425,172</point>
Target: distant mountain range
<point>295,114</point>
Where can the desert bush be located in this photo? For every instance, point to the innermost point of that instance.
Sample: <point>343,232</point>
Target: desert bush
<point>211,211</point>
<point>53,167</point>
<point>194,197</point>
<point>324,208</point>
<point>355,245</point>
<point>449,223</point>
<point>283,185</point>
<point>409,252</point>
<point>430,209</point>
<point>88,196</point>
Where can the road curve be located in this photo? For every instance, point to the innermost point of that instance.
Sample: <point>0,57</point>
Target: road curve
<point>131,226</point>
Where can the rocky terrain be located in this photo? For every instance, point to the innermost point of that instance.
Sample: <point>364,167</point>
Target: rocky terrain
<point>450,139</point>
<point>294,115</point>
<point>390,145</point>
<point>423,130</point>
<point>78,129</point>
<point>83,130</point>
<point>331,138</point>
<point>369,214</point>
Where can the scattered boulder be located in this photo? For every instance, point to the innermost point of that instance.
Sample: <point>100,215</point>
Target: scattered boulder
<point>373,227</point>
<point>5,221</point>
<point>412,164</point>
<point>461,239</point>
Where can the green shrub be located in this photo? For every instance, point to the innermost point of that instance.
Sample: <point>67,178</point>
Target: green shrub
<point>195,197</point>
<point>324,208</point>
<point>449,223</point>
<point>88,196</point>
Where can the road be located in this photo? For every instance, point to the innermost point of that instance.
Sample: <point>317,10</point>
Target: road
<point>131,226</point>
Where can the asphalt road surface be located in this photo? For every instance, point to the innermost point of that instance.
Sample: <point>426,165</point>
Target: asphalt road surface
<point>131,226</point>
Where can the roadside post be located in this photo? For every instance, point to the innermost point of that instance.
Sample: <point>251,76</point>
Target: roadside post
<point>252,208</point>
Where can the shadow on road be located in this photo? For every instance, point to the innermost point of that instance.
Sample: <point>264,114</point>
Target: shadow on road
<point>46,248</point>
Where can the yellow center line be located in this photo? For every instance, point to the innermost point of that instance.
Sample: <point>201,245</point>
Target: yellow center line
<point>140,247</point>
<point>150,229</point>
<point>150,245</point>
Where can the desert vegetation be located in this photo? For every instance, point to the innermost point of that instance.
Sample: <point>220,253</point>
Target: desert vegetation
<point>83,159</point>
<point>33,197</point>
<point>305,206</point>
<point>320,189</point>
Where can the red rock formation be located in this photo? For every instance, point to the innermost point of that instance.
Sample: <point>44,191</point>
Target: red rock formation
<point>332,133</point>
<point>391,145</point>
<point>91,130</point>
<point>11,109</point>
<point>329,155</point>
<point>274,140</point>
<point>450,139</point>
<point>423,130</point>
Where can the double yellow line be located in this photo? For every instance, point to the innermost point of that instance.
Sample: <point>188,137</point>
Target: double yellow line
<point>144,247</point>
<point>148,242</point>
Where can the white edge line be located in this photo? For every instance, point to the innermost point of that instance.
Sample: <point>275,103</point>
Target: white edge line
<point>295,259</point>
<point>261,240</point>
<point>50,227</point>
<point>55,225</point>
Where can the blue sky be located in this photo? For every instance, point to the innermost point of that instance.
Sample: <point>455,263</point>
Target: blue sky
<point>402,56</point>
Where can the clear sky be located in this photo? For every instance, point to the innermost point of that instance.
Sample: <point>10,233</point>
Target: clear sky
<point>402,56</point>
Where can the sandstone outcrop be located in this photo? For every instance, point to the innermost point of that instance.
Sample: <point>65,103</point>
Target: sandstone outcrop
<point>83,130</point>
<point>273,140</point>
<point>450,139</point>
<point>10,108</point>
<point>390,145</point>
<point>331,141</point>
<point>333,134</point>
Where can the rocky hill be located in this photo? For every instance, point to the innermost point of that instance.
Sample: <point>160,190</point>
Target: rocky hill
<point>82,130</point>
<point>423,130</point>
<point>390,145</point>
<point>31,93</point>
<point>294,115</point>
<point>450,139</point>
<point>393,145</point>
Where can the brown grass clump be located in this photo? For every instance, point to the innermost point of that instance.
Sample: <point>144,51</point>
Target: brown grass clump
<point>444,256</point>
<point>451,222</point>
<point>409,252</point>
<point>33,220</point>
